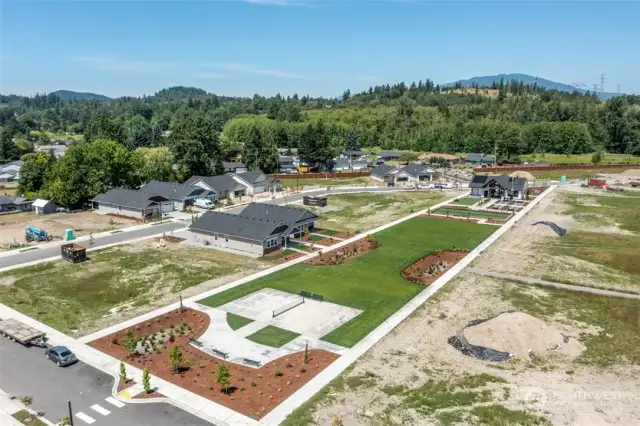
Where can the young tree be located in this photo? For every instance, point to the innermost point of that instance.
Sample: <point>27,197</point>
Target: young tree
<point>8,150</point>
<point>146,380</point>
<point>130,342</point>
<point>175,359</point>
<point>223,378</point>
<point>123,372</point>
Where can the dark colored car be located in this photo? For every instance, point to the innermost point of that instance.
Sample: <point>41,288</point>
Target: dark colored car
<point>61,355</point>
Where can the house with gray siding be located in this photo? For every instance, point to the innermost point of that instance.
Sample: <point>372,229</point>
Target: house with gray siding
<point>400,176</point>
<point>180,194</point>
<point>14,204</point>
<point>502,186</point>
<point>258,229</point>
<point>236,185</point>
<point>130,203</point>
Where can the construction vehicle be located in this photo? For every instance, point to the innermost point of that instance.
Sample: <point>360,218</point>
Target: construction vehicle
<point>31,233</point>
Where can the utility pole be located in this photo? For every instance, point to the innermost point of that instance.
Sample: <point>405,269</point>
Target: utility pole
<point>595,87</point>
<point>70,412</point>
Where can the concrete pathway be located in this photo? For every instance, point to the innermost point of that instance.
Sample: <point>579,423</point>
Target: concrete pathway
<point>571,287</point>
<point>9,406</point>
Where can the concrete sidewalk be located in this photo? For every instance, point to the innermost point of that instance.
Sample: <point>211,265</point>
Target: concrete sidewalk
<point>9,406</point>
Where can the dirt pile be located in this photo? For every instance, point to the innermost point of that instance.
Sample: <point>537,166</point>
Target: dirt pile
<point>518,333</point>
<point>631,173</point>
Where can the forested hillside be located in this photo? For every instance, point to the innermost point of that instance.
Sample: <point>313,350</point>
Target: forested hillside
<point>194,128</point>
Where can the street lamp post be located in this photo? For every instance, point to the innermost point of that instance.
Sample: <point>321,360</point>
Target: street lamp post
<point>70,412</point>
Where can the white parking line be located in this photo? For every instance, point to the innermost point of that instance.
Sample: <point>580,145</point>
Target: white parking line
<point>82,416</point>
<point>100,410</point>
<point>111,400</point>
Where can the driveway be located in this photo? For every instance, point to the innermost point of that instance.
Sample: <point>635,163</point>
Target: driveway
<point>26,372</point>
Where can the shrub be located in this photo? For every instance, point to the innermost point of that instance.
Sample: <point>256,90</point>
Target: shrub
<point>278,373</point>
<point>303,370</point>
<point>146,380</point>
<point>223,378</point>
<point>172,338</point>
<point>123,372</point>
<point>289,365</point>
<point>253,384</point>
<point>176,359</point>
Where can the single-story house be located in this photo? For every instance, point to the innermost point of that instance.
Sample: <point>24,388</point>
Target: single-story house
<point>14,204</point>
<point>10,171</point>
<point>130,203</point>
<point>480,158</point>
<point>344,165</point>
<point>502,186</point>
<point>236,184</point>
<point>233,167</point>
<point>287,163</point>
<point>389,156</point>
<point>258,229</point>
<point>44,206</point>
<point>354,155</point>
<point>7,176</point>
<point>451,159</point>
<point>180,194</point>
<point>400,176</point>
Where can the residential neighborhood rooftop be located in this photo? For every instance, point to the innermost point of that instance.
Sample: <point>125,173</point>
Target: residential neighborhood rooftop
<point>172,190</point>
<point>128,198</point>
<point>251,228</point>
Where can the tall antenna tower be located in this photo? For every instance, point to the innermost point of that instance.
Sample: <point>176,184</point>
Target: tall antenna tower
<point>595,87</point>
<point>602,83</point>
<point>618,88</point>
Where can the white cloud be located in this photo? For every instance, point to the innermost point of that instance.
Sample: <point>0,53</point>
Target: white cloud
<point>253,69</point>
<point>113,63</point>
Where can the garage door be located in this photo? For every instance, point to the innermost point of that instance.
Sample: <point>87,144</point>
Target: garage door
<point>167,207</point>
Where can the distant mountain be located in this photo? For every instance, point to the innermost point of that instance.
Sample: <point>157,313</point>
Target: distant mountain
<point>527,79</point>
<point>69,95</point>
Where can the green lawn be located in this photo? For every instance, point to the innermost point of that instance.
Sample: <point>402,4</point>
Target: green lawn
<point>24,417</point>
<point>273,336</point>
<point>329,232</point>
<point>316,237</point>
<point>280,255</point>
<point>466,201</point>
<point>570,174</point>
<point>237,321</point>
<point>578,159</point>
<point>371,283</point>
<point>476,214</point>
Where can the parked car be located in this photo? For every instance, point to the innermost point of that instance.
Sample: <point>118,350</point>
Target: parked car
<point>410,186</point>
<point>61,355</point>
<point>203,203</point>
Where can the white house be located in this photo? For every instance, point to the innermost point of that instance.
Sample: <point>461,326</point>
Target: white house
<point>236,185</point>
<point>400,176</point>
<point>180,194</point>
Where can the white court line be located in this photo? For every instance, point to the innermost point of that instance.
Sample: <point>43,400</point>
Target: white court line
<point>111,400</point>
<point>99,409</point>
<point>82,416</point>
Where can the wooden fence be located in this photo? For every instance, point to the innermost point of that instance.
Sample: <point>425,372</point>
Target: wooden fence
<point>283,176</point>
<point>528,168</point>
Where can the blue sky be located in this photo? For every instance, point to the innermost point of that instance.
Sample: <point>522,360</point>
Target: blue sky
<point>310,47</point>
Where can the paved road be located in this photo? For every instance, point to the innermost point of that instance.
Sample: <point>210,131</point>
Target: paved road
<point>26,372</point>
<point>52,251</point>
<point>536,281</point>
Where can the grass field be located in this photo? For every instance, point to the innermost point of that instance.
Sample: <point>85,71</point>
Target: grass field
<point>466,201</point>
<point>574,174</point>
<point>280,255</point>
<point>273,336</point>
<point>476,214</point>
<point>578,159</point>
<point>371,283</point>
<point>74,298</point>
<point>237,321</point>
<point>357,212</point>
<point>357,181</point>
<point>24,417</point>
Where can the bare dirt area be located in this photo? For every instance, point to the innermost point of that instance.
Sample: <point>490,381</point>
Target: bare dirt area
<point>432,266</point>
<point>83,223</point>
<point>344,253</point>
<point>253,392</point>
<point>413,377</point>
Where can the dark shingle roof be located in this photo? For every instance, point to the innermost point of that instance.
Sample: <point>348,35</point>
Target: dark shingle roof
<point>219,184</point>
<point>173,191</point>
<point>6,200</point>
<point>136,200</point>
<point>381,170</point>
<point>389,154</point>
<point>233,165</point>
<point>287,215</point>
<point>506,182</point>
<point>415,169</point>
<point>257,229</point>
<point>252,177</point>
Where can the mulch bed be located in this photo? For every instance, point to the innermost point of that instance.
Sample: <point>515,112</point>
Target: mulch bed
<point>254,392</point>
<point>344,253</point>
<point>152,394</point>
<point>125,385</point>
<point>169,239</point>
<point>271,257</point>
<point>432,266</point>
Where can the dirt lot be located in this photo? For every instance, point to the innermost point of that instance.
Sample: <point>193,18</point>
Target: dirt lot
<point>118,283</point>
<point>254,392</point>
<point>12,226</point>
<point>359,212</point>
<point>414,377</point>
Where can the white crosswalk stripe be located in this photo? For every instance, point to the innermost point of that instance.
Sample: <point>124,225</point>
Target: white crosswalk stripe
<point>111,400</point>
<point>99,409</point>
<point>82,416</point>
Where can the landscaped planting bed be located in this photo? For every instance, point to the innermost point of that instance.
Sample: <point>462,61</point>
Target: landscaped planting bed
<point>281,256</point>
<point>432,266</point>
<point>476,214</point>
<point>372,282</point>
<point>252,391</point>
<point>466,201</point>
<point>344,253</point>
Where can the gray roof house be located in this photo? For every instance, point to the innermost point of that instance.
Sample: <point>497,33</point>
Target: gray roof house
<point>14,204</point>
<point>233,167</point>
<point>501,186</point>
<point>182,195</point>
<point>10,171</point>
<point>480,158</point>
<point>287,163</point>
<point>394,176</point>
<point>258,229</point>
<point>236,184</point>
<point>344,165</point>
<point>389,156</point>
<point>130,203</point>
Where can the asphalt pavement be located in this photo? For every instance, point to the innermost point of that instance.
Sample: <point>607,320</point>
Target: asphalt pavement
<point>26,372</point>
<point>120,237</point>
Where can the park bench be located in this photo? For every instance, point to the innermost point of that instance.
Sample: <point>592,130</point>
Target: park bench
<point>196,342</point>
<point>219,353</point>
<point>251,362</point>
